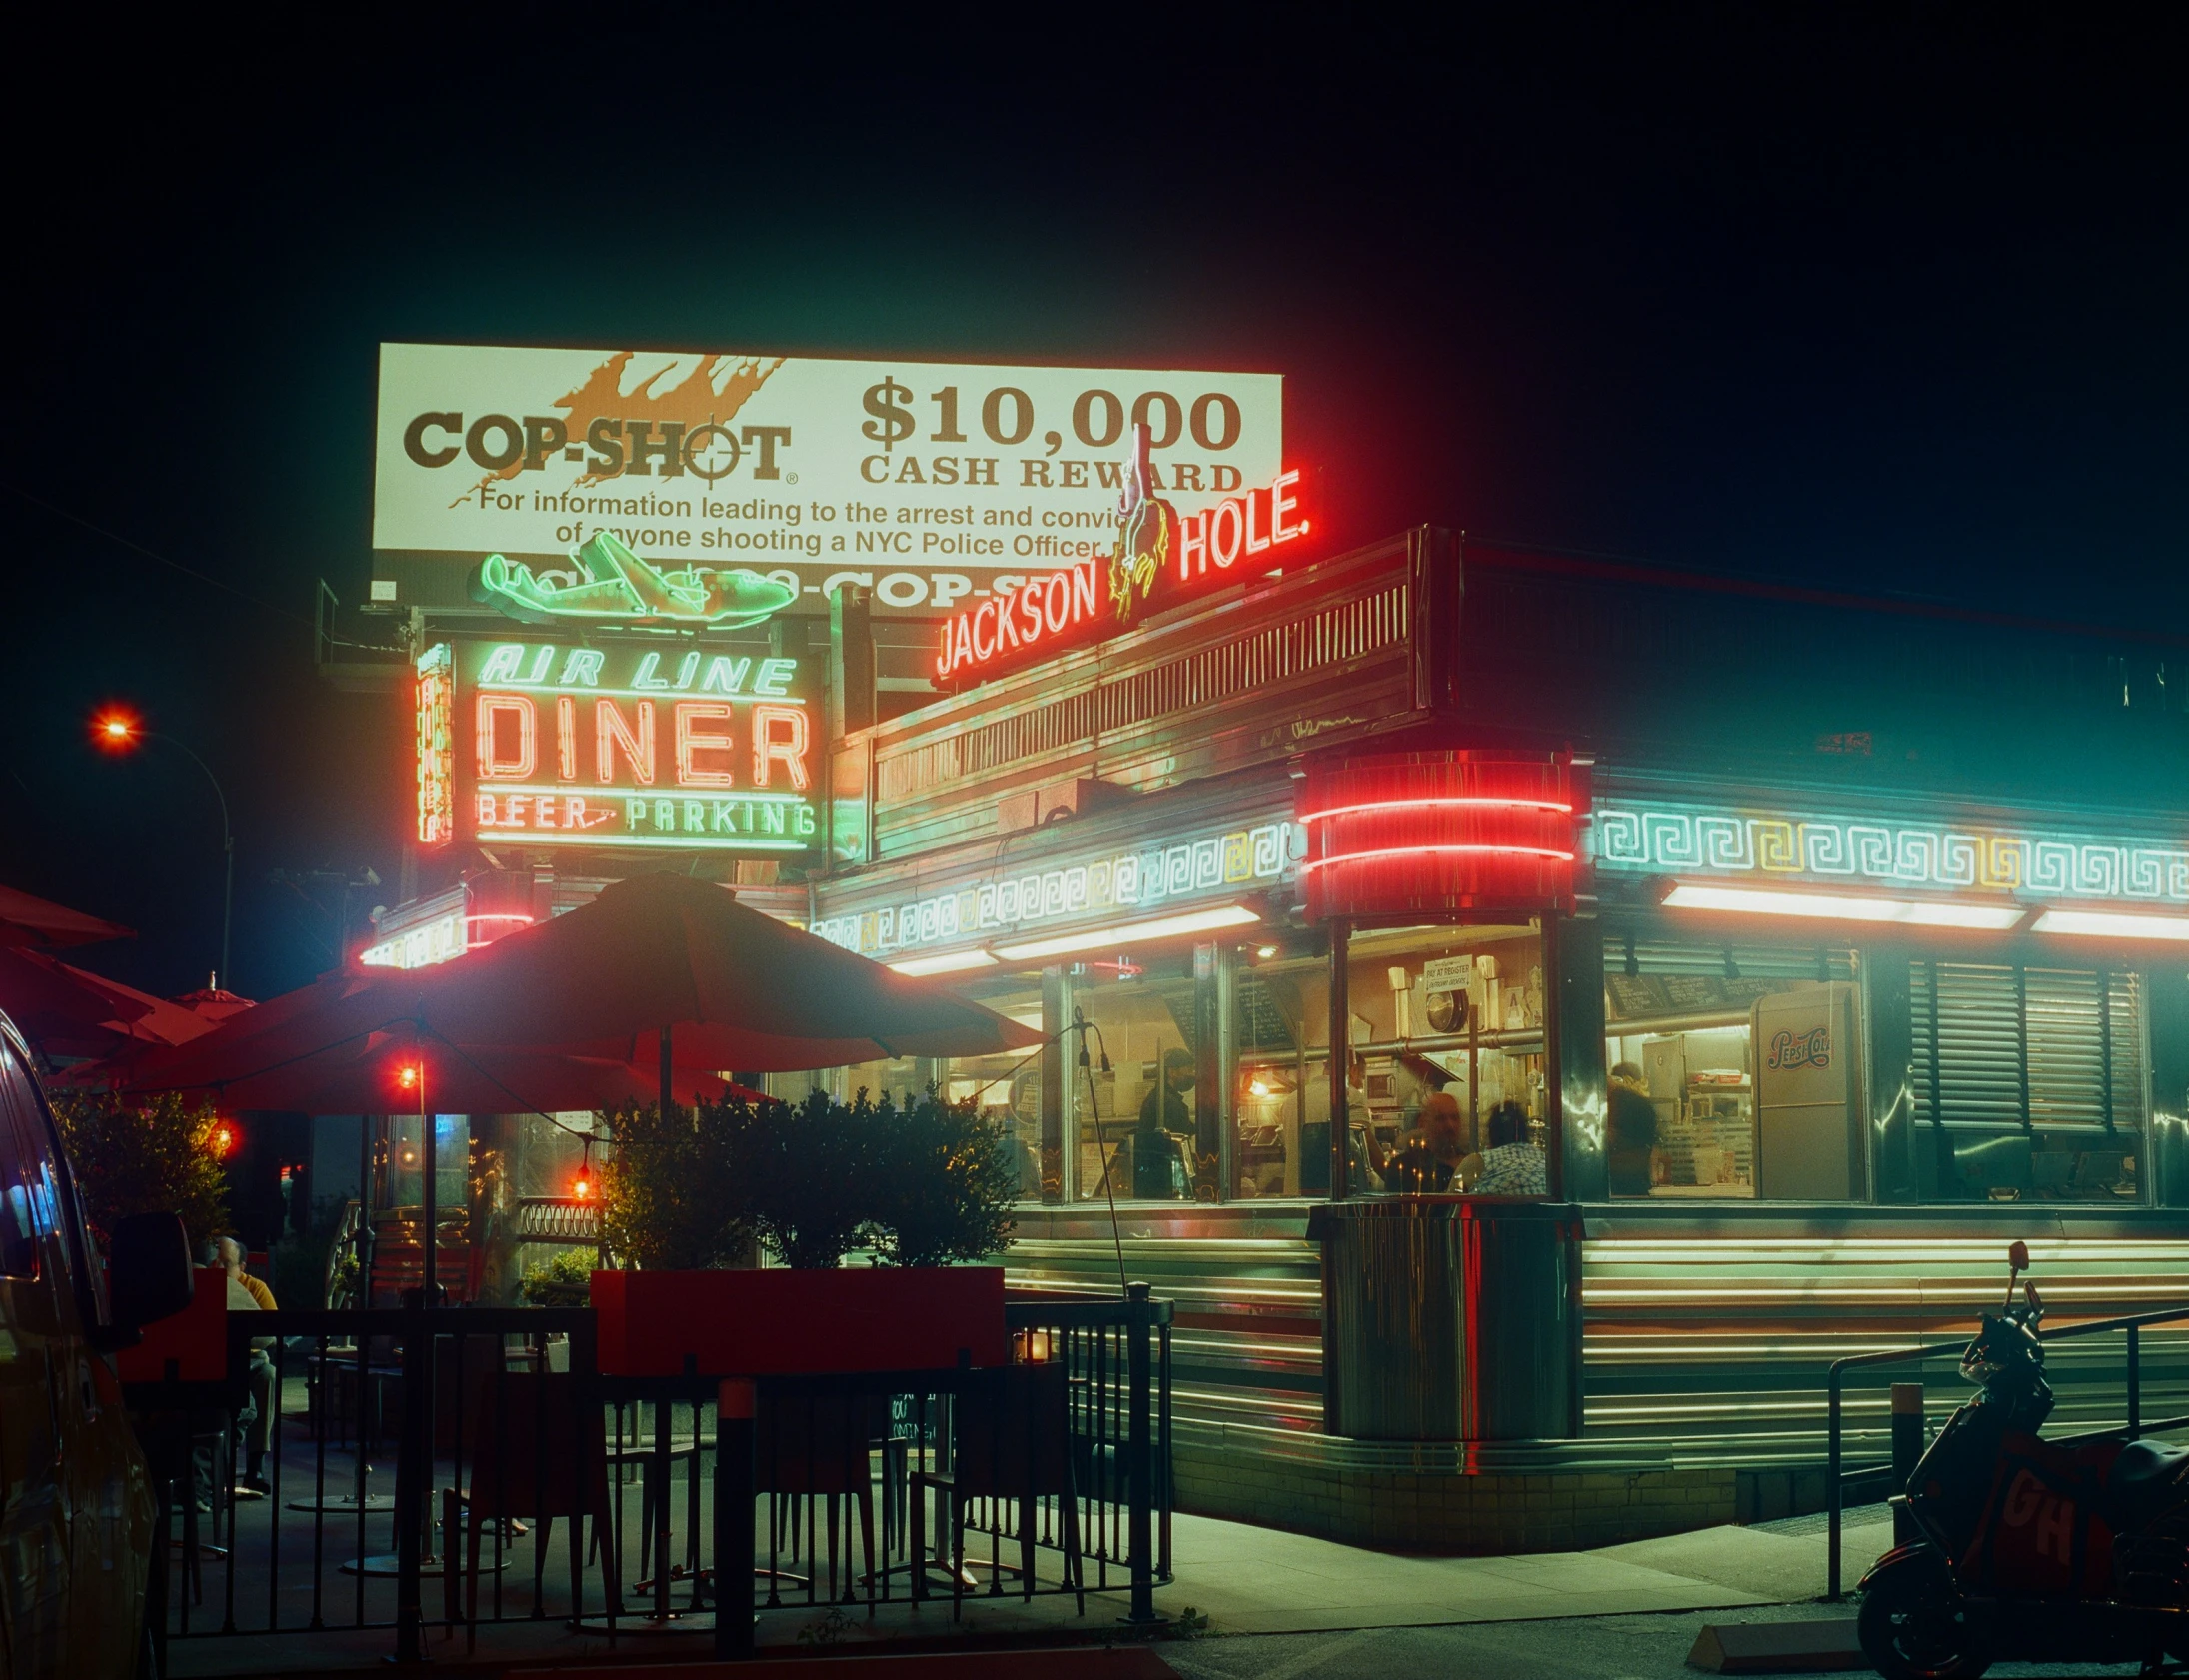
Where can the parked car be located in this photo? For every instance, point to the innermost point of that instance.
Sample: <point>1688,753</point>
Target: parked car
<point>76,1504</point>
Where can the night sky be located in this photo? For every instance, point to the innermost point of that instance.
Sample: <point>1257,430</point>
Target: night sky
<point>1883,299</point>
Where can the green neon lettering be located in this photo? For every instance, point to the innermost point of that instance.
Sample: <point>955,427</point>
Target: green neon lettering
<point>695,816</point>
<point>772,820</point>
<point>647,676</point>
<point>664,815</point>
<point>504,661</point>
<point>540,660</point>
<point>583,667</point>
<point>724,674</point>
<point>722,823</point>
<point>685,668</point>
<point>633,814</point>
<point>806,824</point>
<point>773,674</point>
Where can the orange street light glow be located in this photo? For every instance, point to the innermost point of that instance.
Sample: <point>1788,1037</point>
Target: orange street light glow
<point>115,730</point>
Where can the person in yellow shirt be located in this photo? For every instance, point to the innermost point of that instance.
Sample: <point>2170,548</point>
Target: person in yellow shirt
<point>260,1375</point>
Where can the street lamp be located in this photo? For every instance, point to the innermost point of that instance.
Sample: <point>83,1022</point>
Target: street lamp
<point>116,731</point>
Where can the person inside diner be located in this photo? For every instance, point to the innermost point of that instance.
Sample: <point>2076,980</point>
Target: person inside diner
<point>1511,1165</point>
<point>1631,1132</point>
<point>1164,1118</point>
<point>1427,1158</point>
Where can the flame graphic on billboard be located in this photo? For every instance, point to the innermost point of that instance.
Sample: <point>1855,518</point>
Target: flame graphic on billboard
<point>708,392</point>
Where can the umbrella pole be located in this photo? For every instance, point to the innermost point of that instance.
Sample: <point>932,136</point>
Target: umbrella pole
<point>430,1172</point>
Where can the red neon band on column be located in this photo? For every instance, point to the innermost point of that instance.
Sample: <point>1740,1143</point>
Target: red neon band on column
<point>1476,801</point>
<point>1542,851</point>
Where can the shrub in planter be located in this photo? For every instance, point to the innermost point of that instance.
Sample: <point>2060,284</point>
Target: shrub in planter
<point>562,1281</point>
<point>945,1184</point>
<point>145,1155</point>
<point>674,1191</point>
<point>810,1173</point>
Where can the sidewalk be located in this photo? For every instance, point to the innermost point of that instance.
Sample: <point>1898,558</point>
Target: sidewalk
<point>1243,1580</point>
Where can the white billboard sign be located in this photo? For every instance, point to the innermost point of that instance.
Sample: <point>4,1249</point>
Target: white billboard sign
<point>931,483</point>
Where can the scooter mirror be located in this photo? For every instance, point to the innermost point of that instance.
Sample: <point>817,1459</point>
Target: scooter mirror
<point>2018,1257</point>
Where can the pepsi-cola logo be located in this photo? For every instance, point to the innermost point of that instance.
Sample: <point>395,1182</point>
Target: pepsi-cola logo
<point>1801,1050</point>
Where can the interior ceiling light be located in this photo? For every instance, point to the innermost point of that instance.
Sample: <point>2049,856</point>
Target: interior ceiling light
<point>1163,928</point>
<point>2105,925</point>
<point>949,962</point>
<point>1844,907</point>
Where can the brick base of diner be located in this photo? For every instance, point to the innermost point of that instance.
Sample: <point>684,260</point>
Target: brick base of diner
<point>1487,1512</point>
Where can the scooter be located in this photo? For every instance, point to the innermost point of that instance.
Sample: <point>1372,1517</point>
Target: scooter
<point>2030,1552</point>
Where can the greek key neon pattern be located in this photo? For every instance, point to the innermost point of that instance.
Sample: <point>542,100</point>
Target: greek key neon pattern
<point>1668,839</point>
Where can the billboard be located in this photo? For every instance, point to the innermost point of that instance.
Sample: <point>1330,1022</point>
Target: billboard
<point>933,484</point>
<point>651,745</point>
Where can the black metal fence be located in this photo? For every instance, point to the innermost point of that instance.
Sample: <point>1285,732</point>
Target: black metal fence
<point>406,1469</point>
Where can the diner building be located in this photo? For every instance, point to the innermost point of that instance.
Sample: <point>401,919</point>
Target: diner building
<point>1533,1013</point>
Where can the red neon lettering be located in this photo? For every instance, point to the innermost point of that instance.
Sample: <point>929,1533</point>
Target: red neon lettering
<point>1222,555</point>
<point>1193,545</point>
<point>1006,629</point>
<point>566,736</point>
<point>791,748</point>
<point>1029,608</point>
<point>694,738</point>
<point>1083,592</point>
<point>1057,603</point>
<point>610,732</point>
<point>982,646</point>
<point>1254,543</point>
<point>491,763</point>
<point>1281,504</point>
<point>943,660</point>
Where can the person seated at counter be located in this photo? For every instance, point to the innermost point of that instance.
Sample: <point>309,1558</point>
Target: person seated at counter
<point>1629,1133</point>
<point>1163,1118</point>
<point>1428,1158</point>
<point>1511,1165</point>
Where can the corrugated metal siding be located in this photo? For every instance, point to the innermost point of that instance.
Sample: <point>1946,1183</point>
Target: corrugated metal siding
<point>1714,1343</point>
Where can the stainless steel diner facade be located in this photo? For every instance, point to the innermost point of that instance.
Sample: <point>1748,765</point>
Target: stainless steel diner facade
<point>1868,961</point>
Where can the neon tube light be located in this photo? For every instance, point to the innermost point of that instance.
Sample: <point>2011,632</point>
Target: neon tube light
<point>2114,926</point>
<point>950,963</point>
<point>1548,854</point>
<point>1163,927</point>
<point>1844,906</point>
<point>1449,802</point>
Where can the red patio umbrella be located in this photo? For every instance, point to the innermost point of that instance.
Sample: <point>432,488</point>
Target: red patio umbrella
<point>70,1011</point>
<point>653,959</point>
<point>25,921</point>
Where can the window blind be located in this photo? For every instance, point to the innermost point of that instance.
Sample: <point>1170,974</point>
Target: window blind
<point>2037,1049</point>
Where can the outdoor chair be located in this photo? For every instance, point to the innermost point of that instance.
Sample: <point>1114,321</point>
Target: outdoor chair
<point>809,1443</point>
<point>1011,1443</point>
<point>532,1450</point>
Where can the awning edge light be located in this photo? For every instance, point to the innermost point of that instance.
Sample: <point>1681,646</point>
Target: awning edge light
<point>1161,927</point>
<point>1844,906</point>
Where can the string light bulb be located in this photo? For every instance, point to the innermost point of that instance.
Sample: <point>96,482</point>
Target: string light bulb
<point>581,1191</point>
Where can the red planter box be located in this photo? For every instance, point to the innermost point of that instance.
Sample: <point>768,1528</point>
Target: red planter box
<point>196,1338</point>
<point>800,1323</point>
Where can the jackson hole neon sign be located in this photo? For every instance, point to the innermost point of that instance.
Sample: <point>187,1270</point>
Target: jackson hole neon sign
<point>618,747</point>
<point>1159,558</point>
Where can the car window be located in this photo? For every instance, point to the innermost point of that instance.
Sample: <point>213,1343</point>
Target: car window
<point>26,1208</point>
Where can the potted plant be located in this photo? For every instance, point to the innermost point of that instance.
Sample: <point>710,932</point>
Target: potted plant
<point>811,1180</point>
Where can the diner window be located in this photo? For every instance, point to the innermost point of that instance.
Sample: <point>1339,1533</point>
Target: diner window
<point>2030,1083</point>
<point>1281,1024</point>
<point>1736,1071</point>
<point>1142,1130</point>
<point>1005,1088</point>
<point>1445,1085</point>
